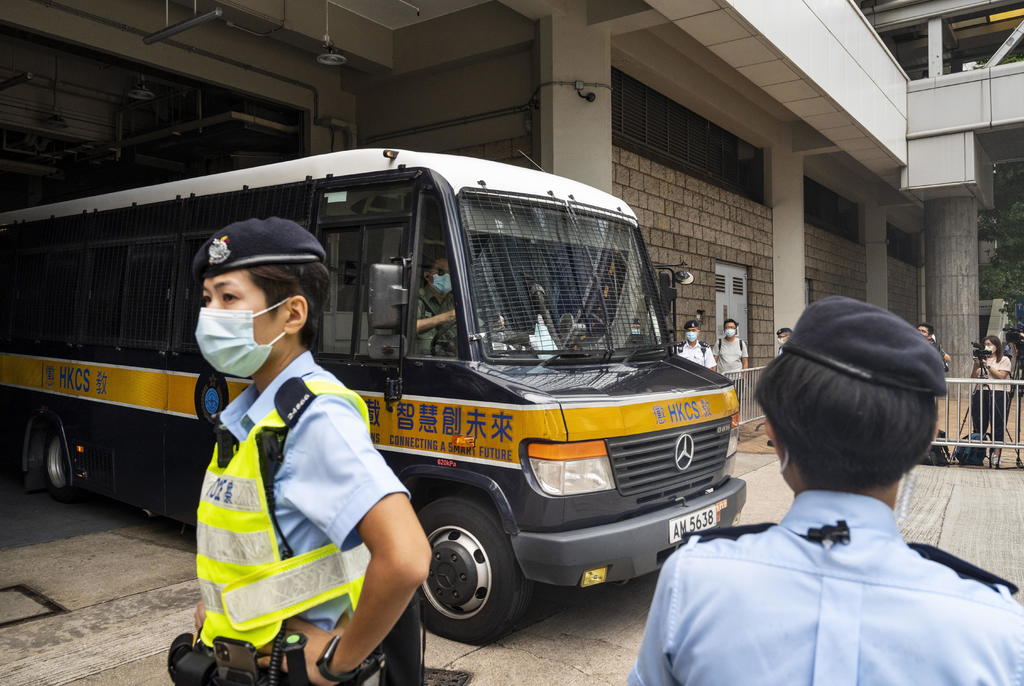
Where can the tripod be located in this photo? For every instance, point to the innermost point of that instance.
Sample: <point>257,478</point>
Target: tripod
<point>1017,374</point>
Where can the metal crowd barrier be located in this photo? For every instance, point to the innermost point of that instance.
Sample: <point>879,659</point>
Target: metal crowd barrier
<point>983,407</point>
<point>746,381</point>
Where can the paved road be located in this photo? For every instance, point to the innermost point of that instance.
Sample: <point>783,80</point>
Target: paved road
<point>126,585</point>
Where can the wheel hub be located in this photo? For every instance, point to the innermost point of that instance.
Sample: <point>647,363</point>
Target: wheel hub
<point>458,583</point>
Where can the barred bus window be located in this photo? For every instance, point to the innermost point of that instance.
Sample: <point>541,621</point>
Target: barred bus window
<point>146,299</point>
<point>31,298</point>
<point>188,299</point>
<point>103,312</point>
<point>8,267</point>
<point>60,290</point>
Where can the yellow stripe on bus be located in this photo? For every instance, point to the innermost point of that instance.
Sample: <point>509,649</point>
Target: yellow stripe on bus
<point>443,428</point>
<point>145,389</point>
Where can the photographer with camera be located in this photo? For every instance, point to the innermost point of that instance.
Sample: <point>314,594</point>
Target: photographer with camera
<point>988,406</point>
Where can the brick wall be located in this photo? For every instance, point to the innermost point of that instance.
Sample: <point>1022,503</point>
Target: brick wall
<point>506,150</point>
<point>834,265</point>
<point>903,290</point>
<point>686,220</point>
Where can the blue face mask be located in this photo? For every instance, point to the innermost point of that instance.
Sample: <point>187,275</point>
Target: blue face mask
<point>691,336</point>
<point>443,283</point>
<point>730,332</point>
<point>225,339</point>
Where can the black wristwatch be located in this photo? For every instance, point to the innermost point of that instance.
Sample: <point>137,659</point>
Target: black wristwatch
<point>323,664</point>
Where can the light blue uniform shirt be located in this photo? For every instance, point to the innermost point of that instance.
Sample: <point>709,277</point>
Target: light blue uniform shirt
<point>775,608</point>
<point>331,475</point>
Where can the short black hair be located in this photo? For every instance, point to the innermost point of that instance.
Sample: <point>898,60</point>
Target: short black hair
<point>931,329</point>
<point>841,432</point>
<point>308,279</point>
<point>730,320</point>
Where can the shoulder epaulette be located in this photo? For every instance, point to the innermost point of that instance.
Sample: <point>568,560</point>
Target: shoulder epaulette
<point>292,399</point>
<point>963,568</point>
<point>728,532</point>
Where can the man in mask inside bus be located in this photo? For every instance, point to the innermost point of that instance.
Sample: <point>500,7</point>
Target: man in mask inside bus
<point>435,312</point>
<point>301,526</point>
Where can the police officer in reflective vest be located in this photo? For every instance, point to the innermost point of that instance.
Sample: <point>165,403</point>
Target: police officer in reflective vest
<point>302,527</point>
<point>832,595</point>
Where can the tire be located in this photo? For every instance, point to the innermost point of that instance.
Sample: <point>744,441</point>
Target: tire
<point>470,550</point>
<point>58,470</point>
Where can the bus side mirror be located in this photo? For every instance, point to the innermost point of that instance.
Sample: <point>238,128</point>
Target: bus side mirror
<point>386,300</point>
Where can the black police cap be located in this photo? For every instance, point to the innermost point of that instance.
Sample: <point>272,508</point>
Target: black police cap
<point>868,343</point>
<point>254,242</point>
<point>692,324</point>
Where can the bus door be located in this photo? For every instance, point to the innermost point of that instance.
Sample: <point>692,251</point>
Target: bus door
<point>360,225</point>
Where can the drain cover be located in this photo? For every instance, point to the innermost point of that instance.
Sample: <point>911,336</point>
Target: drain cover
<point>446,677</point>
<point>22,604</point>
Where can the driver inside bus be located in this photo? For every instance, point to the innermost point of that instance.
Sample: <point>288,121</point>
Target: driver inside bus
<point>301,526</point>
<point>435,312</point>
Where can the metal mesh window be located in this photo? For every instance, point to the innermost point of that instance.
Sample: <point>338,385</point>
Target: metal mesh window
<point>557,277</point>
<point>31,298</point>
<point>59,287</point>
<point>147,295</point>
<point>106,280</point>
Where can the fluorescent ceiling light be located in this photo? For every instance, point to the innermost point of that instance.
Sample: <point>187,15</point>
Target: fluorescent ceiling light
<point>190,23</point>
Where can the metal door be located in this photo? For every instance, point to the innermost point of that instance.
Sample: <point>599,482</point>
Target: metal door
<point>730,296</point>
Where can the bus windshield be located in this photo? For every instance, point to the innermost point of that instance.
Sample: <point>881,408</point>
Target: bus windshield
<point>557,279</point>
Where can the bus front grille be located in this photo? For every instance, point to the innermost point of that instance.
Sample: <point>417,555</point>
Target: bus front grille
<point>645,464</point>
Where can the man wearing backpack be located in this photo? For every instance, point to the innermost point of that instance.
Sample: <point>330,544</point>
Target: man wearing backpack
<point>732,350</point>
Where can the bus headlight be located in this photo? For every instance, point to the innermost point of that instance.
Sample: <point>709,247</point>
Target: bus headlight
<point>571,468</point>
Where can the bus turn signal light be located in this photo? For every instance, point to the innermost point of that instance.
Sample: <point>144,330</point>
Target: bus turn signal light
<point>567,451</point>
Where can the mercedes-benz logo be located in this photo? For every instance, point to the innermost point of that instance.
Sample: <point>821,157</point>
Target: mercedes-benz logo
<point>684,451</point>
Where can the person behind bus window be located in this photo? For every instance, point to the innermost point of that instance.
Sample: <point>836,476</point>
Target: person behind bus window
<point>333,506</point>
<point>435,311</point>
<point>832,594</point>
<point>988,405</point>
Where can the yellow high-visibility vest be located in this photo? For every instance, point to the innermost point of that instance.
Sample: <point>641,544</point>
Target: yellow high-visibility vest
<point>248,590</point>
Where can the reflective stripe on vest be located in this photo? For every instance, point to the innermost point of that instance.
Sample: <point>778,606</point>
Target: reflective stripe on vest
<point>247,590</point>
<point>248,600</point>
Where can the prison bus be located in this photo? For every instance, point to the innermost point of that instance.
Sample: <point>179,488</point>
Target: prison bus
<point>550,435</point>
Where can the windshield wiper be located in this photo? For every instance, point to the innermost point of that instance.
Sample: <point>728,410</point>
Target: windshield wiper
<point>571,354</point>
<point>643,350</point>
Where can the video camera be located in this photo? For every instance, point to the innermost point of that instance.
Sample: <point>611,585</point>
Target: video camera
<point>1013,335</point>
<point>980,353</point>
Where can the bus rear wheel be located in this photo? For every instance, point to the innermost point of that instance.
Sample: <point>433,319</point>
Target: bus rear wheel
<point>58,470</point>
<point>475,590</point>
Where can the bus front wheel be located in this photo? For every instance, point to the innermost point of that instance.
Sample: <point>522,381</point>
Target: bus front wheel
<point>475,590</point>
<point>58,471</point>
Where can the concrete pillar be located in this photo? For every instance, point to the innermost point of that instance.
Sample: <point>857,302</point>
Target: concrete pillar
<point>576,134</point>
<point>951,274</point>
<point>877,255</point>
<point>785,195</point>
<point>935,51</point>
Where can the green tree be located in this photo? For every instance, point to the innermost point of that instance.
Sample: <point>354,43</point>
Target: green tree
<point>1004,278</point>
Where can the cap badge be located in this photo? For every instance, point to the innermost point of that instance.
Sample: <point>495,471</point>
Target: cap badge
<point>219,250</point>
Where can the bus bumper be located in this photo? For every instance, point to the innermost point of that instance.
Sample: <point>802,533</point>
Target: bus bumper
<point>630,548</point>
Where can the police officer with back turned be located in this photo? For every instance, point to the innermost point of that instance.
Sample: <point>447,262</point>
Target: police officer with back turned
<point>832,595</point>
<point>303,533</point>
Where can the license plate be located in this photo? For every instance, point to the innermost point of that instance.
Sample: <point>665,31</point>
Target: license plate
<point>695,521</point>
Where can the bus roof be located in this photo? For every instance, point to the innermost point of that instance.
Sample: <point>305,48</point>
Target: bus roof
<point>460,172</point>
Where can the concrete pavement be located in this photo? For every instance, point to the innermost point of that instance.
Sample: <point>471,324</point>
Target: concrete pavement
<point>127,585</point>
